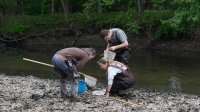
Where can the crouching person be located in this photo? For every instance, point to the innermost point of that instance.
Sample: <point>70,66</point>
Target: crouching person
<point>66,62</point>
<point>118,74</point>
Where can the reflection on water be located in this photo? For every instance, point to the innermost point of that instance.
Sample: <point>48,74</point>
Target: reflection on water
<point>169,71</point>
<point>175,84</point>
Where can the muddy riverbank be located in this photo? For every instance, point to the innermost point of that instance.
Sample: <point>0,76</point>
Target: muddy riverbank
<point>33,94</point>
<point>67,38</point>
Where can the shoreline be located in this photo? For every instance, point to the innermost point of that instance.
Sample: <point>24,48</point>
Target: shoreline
<point>94,40</point>
<point>35,94</point>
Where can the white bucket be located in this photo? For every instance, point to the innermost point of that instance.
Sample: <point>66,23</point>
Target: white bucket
<point>90,81</point>
<point>109,55</point>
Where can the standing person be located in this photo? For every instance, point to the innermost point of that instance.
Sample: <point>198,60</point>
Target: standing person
<point>119,76</point>
<point>117,41</point>
<point>66,62</point>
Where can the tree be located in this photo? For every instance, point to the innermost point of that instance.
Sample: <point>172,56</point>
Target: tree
<point>139,8</point>
<point>52,7</point>
<point>186,16</point>
<point>64,8</point>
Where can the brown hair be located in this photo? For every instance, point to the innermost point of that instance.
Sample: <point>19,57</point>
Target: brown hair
<point>102,60</point>
<point>104,33</point>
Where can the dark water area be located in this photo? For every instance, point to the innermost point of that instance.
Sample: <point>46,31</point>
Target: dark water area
<point>156,70</point>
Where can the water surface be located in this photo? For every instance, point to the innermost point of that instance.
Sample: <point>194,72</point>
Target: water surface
<point>160,70</point>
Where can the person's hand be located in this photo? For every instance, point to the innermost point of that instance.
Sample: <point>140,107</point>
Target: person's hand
<point>112,48</point>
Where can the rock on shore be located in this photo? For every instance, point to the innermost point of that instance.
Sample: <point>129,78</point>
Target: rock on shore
<point>31,94</point>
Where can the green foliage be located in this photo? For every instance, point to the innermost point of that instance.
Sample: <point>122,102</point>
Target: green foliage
<point>35,7</point>
<point>105,6</point>
<point>79,19</point>
<point>108,2</point>
<point>90,7</point>
<point>76,5</point>
<point>162,4</point>
<point>186,16</point>
<point>154,16</point>
<point>115,19</point>
<point>8,6</point>
<point>165,32</point>
<point>161,20</point>
<point>23,24</point>
<point>19,28</point>
<point>168,17</point>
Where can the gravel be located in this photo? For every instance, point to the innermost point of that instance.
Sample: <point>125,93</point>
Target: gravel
<point>32,94</point>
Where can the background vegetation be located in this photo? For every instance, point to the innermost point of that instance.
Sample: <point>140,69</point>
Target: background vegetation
<point>161,19</point>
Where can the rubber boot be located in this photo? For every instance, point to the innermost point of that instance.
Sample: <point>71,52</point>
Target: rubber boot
<point>63,87</point>
<point>74,88</point>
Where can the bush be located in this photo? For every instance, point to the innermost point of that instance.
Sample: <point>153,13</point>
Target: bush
<point>23,24</point>
<point>19,28</point>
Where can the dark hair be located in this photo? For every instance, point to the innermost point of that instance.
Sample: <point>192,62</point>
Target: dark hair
<point>104,33</point>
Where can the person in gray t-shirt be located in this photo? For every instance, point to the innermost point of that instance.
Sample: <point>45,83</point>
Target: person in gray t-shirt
<point>117,41</point>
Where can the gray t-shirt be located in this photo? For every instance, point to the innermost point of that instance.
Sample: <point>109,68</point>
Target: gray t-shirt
<point>118,36</point>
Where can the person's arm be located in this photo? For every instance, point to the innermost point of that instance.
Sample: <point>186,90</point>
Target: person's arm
<point>108,88</point>
<point>112,72</point>
<point>80,64</point>
<point>122,38</point>
<point>108,46</point>
<point>82,59</point>
<point>123,44</point>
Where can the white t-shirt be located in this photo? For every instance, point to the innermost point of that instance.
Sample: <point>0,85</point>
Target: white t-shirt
<point>112,72</point>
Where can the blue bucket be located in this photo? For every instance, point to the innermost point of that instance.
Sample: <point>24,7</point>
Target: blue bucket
<point>81,86</point>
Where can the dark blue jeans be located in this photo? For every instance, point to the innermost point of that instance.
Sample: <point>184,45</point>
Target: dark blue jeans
<point>63,69</point>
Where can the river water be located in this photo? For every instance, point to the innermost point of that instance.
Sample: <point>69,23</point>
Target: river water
<point>156,70</point>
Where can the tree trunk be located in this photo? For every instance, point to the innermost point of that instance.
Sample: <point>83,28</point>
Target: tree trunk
<point>64,8</point>
<point>52,7</point>
<point>67,5</point>
<point>20,6</point>
<point>42,8</point>
<point>139,9</point>
<point>99,7</point>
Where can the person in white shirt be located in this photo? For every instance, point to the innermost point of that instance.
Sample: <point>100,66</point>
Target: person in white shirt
<point>119,76</point>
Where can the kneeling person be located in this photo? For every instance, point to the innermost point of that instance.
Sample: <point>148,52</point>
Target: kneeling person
<point>119,76</point>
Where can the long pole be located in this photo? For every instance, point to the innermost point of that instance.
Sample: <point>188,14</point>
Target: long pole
<point>38,62</point>
<point>30,60</point>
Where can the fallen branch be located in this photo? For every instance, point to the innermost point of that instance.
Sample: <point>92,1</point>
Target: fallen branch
<point>6,38</point>
<point>125,102</point>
